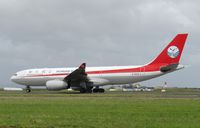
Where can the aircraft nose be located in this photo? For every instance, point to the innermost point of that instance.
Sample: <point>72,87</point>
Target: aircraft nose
<point>13,78</point>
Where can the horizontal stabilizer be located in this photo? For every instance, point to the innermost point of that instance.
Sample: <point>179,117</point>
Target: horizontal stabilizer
<point>168,67</point>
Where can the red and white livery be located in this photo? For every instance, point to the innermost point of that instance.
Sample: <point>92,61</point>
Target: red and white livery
<point>88,79</point>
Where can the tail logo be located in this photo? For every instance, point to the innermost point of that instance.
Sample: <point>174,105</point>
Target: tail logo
<point>173,51</point>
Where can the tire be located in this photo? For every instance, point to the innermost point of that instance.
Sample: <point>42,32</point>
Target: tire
<point>89,91</point>
<point>28,90</point>
<point>101,90</point>
<point>98,90</point>
<point>82,90</point>
<point>95,90</point>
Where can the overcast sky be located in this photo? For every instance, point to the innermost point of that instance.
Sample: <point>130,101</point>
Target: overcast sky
<point>65,33</point>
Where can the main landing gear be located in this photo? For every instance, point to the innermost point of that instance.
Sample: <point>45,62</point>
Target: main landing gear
<point>28,89</point>
<point>90,90</point>
<point>98,90</point>
<point>87,90</point>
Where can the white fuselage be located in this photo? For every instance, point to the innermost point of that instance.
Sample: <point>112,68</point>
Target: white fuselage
<point>98,75</point>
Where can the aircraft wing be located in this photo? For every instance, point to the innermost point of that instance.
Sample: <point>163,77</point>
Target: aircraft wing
<point>169,67</point>
<point>78,76</point>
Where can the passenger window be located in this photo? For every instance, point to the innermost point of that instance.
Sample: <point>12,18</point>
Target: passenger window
<point>43,71</point>
<point>36,71</point>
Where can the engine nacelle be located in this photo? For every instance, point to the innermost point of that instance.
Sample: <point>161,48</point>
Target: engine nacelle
<point>54,85</point>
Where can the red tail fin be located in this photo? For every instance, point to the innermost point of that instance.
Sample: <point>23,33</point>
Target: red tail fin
<point>172,53</point>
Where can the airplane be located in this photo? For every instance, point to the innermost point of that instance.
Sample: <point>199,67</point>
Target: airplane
<point>89,79</point>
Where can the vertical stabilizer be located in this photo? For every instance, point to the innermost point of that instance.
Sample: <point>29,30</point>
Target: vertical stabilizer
<point>172,53</point>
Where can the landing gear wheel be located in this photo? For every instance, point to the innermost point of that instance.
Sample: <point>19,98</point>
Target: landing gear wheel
<point>82,90</point>
<point>95,90</point>
<point>89,91</point>
<point>101,90</point>
<point>98,90</point>
<point>85,90</point>
<point>28,89</point>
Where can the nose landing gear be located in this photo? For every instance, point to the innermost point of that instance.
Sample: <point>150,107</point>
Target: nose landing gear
<point>28,89</point>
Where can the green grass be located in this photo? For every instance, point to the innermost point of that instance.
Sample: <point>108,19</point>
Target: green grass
<point>112,110</point>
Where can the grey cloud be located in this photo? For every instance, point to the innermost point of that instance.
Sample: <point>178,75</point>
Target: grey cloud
<point>50,33</point>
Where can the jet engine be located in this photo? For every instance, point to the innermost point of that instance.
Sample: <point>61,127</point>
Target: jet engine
<point>54,85</point>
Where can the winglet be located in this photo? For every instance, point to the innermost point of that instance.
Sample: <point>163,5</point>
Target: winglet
<point>82,66</point>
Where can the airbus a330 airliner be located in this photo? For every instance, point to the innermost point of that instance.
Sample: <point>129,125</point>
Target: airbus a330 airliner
<point>88,79</point>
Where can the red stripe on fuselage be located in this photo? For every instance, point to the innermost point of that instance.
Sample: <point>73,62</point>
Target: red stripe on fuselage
<point>146,68</point>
